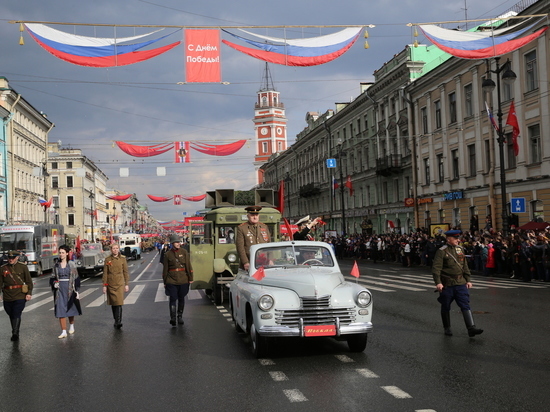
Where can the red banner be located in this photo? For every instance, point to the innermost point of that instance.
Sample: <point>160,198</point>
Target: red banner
<point>177,200</point>
<point>202,57</point>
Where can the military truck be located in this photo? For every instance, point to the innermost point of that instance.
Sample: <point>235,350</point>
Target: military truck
<point>212,240</point>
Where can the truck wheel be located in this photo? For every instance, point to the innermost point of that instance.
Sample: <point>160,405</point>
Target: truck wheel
<point>357,342</point>
<point>259,343</point>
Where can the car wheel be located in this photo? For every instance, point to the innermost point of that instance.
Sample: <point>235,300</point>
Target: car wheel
<point>259,343</point>
<point>237,327</point>
<point>357,342</point>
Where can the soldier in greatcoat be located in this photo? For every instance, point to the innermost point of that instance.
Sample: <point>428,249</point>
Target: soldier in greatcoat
<point>251,232</point>
<point>177,275</point>
<point>115,282</point>
<point>452,280</point>
<point>16,287</point>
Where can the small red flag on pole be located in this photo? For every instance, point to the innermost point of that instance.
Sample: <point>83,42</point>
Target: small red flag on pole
<point>259,274</point>
<point>355,270</point>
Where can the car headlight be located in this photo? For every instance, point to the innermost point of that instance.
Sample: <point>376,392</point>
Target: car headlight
<point>265,302</point>
<point>100,261</point>
<point>364,299</point>
<point>78,263</point>
<point>232,257</point>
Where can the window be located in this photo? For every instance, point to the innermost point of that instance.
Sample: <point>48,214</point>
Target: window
<point>531,78</point>
<point>358,126</point>
<point>424,119</point>
<point>534,142</point>
<point>440,168</point>
<point>471,160</point>
<point>368,196</point>
<point>264,147</point>
<point>396,194</point>
<point>427,219</point>
<point>437,106</point>
<point>427,171</point>
<point>384,192</point>
<point>70,219</point>
<point>441,215</point>
<point>70,201</point>
<point>279,146</point>
<point>69,181</point>
<point>54,165</point>
<point>468,103</point>
<point>510,151</point>
<point>366,122</point>
<point>452,107</point>
<point>487,166</point>
<point>69,165</point>
<point>55,182</point>
<point>537,208</point>
<point>55,202</point>
<point>456,217</point>
<point>454,156</point>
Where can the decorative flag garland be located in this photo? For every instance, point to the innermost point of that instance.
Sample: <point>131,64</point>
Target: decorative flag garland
<point>154,150</point>
<point>119,198</point>
<point>168,198</point>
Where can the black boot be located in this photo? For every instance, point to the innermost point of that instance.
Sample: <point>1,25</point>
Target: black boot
<point>118,317</point>
<point>115,311</point>
<point>180,314</point>
<point>469,320</point>
<point>15,324</point>
<point>173,315</point>
<point>446,318</point>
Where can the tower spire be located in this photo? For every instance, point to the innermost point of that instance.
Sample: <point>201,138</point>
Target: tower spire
<point>267,80</point>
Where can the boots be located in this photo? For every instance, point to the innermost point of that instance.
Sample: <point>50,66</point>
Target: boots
<point>180,314</point>
<point>173,315</point>
<point>446,318</point>
<point>15,324</point>
<point>469,321</point>
<point>117,315</point>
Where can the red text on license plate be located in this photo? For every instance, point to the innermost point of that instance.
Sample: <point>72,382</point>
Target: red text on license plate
<point>320,330</point>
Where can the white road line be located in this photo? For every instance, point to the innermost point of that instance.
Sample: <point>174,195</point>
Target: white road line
<point>38,304</point>
<point>278,376</point>
<point>98,302</point>
<point>266,362</point>
<point>82,294</point>
<point>396,392</point>
<point>133,296</point>
<point>161,296</point>
<point>34,296</point>
<point>425,410</point>
<point>294,395</point>
<point>367,373</point>
<point>194,294</point>
<point>371,280</point>
<point>144,270</point>
<point>344,358</point>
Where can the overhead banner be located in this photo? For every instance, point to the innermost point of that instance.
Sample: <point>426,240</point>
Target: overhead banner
<point>202,56</point>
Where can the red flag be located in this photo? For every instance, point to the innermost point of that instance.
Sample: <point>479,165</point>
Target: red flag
<point>177,200</point>
<point>355,270</point>
<point>183,154</point>
<point>288,229</point>
<point>349,185</point>
<point>259,274</point>
<point>281,197</point>
<point>513,121</point>
<point>202,57</point>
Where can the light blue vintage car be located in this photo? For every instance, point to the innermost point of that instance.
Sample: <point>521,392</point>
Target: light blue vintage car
<point>296,288</point>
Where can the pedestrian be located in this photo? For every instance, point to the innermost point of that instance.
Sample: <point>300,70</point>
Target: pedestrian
<point>305,225</point>
<point>452,280</point>
<point>16,287</point>
<point>177,276</point>
<point>65,284</point>
<point>251,233</point>
<point>491,264</point>
<point>115,282</point>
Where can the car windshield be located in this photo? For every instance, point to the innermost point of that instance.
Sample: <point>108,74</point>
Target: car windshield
<point>293,255</point>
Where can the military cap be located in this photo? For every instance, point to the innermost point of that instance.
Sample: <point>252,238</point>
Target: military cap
<point>253,210</point>
<point>303,221</point>
<point>175,238</point>
<point>13,253</point>
<point>453,233</point>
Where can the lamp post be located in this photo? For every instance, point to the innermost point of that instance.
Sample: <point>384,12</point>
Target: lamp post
<point>287,181</point>
<point>92,212</point>
<point>488,85</point>
<point>114,218</point>
<point>340,155</point>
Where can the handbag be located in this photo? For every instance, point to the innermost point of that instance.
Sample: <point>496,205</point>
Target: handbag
<point>25,288</point>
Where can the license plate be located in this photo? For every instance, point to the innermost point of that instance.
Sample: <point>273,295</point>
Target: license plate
<point>320,330</point>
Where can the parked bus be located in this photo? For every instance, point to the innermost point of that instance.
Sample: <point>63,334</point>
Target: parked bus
<point>130,244</point>
<point>40,244</point>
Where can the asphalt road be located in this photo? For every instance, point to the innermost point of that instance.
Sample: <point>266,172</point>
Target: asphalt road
<point>205,365</point>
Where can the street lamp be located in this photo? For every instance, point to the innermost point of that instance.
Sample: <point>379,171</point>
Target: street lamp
<point>92,212</point>
<point>488,85</point>
<point>114,218</point>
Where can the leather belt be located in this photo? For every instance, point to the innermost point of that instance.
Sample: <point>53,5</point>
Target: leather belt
<point>176,270</point>
<point>13,287</point>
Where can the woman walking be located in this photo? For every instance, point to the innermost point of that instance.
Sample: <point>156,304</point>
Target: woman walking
<point>115,282</point>
<point>65,284</point>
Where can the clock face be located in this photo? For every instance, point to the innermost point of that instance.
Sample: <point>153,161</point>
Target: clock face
<point>264,131</point>
<point>279,131</point>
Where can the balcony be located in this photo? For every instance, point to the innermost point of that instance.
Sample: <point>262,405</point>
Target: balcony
<point>388,165</point>
<point>309,190</point>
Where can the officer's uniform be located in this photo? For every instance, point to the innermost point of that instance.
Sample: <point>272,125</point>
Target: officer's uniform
<point>177,274</point>
<point>115,279</point>
<point>450,268</point>
<point>14,279</point>
<point>249,234</point>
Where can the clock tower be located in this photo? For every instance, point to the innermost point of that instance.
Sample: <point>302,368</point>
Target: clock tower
<point>269,124</point>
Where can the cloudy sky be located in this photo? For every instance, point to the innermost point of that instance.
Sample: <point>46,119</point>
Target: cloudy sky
<point>142,103</point>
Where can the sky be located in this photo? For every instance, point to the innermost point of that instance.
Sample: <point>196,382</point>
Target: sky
<point>143,104</point>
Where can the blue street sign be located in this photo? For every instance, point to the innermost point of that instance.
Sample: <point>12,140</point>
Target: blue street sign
<point>331,163</point>
<point>517,205</point>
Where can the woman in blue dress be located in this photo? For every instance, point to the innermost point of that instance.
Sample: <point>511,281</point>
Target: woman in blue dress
<point>65,284</point>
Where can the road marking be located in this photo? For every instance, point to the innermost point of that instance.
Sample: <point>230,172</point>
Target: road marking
<point>371,281</point>
<point>294,395</point>
<point>38,304</point>
<point>33,297</point>
<point>344,358</point>
<point>161,296</point>
<point>266,362</point>
<point>278,376</point>
<point>396,392</point>
<point>144,270</point>
<point>194,294</point>
<point>367,373</point>
<point>425,410</point>
<point>82,294</point>
<point>134,295</point>
<point>98,302</point>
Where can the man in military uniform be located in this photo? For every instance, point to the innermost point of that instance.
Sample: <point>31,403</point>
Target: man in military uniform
<point>251,233</point>
<point>177,275</point>
<point>16,286</point>
<point>305,225</point>
<point>452,280</point>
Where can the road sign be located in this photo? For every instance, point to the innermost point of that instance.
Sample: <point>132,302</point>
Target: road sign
<point>517,205</point>
<point>331,163</point>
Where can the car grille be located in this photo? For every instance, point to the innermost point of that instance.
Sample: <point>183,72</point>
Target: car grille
<point>88,260</point>
<point>314,311</point>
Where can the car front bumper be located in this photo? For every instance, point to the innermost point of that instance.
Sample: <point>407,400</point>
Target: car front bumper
<point>286,331</point>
